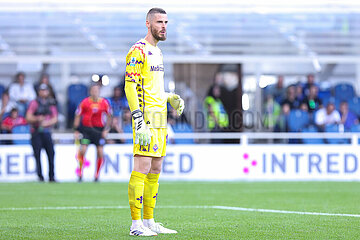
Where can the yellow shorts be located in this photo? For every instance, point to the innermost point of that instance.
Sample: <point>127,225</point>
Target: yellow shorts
<point>157,147</point>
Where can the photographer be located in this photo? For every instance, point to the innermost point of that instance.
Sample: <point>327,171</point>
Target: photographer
<point>42,115</point>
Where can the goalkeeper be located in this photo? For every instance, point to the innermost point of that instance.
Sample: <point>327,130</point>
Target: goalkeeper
<point>144,88</point>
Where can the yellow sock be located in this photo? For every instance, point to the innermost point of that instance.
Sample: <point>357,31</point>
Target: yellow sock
<point>136,192</point>
<point>150,194</point>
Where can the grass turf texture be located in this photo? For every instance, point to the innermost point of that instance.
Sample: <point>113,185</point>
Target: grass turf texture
<point>330,197</point>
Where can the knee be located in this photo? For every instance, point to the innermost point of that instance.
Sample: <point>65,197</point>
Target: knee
<point>143,168</point>
<point>155,169</point>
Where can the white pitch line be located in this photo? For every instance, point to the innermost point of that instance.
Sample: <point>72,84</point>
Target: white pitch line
<point>186,207</point>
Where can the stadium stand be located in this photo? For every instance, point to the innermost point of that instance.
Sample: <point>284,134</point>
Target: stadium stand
<point>23,129</point>
<point>312,129</point>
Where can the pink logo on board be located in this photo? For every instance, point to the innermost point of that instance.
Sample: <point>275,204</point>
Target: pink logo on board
<point>249,164</point>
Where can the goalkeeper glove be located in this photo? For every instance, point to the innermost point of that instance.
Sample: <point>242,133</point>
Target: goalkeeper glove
<point>176,102</point>
<point>142,132</point>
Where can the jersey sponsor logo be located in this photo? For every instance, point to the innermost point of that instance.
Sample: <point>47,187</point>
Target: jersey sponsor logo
<point>133,62</point>
<point>158,68</point>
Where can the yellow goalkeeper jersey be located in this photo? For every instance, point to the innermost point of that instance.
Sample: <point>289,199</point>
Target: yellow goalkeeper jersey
<point>144,66</point>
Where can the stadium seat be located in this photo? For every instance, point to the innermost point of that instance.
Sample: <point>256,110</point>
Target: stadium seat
<point>356,129</point>
<point>325,94</point>
<point>23,129</point>
<point>354,105</point>
<point>183,128</point>
<point>298,120</point>
<point>334,128</point>
<point>312,129</point>
<point>76,93</point>
<point>2,89</point>
<point>344,92</point>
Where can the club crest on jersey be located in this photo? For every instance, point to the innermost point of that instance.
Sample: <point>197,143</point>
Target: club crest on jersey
<point>133,62</point>
<point>155,148</point>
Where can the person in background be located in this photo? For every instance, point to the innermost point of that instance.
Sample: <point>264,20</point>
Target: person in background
<point>6,105</point>
<point>42,114</point>
<point>312,100</point>
<point>304,107</point>
<point>12,121</point>
<point>310,81</point>
<point>95,116</point>
<point>217,118</point>
<point>348,118</point>
<point>278,90</point>
<point>45,79</point>
<point>327,116</point>
<point>291,98</point>
<point>282,121</point>
<point>118,104</point>
<point>126,124</point>
<point>299,95</point>
<point>272,111</point>
<point>118,101</point>
<point>21,93</point>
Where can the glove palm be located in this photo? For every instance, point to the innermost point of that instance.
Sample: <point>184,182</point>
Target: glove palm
<point>177,103</point>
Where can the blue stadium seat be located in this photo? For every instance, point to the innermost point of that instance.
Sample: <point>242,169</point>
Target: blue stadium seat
<point>354,105</point>
<point>356,128</point>
<point>183,128</point>
<point>76,93</point>
<point>334,128</point>
<point>298,120</point>
<point>344,92</point>
<point>312,129</point>
<point>2,89</point>
<point>23,129</point>
<point>324,94</point>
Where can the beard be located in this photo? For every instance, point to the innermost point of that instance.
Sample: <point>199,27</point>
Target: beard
<point>157,36</point>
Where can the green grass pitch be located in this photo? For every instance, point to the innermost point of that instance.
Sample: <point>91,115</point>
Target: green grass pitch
<point>191,223</point>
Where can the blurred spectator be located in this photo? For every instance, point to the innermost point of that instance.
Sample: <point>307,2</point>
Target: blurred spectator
<point>312,100</point>
<point>178,124</point>
<point>217,118</point>
<point>42,115</point>
<point>310,81</point>
<point>282,121</point>
<point>6,104</point>
<point>118,101</point>
<point>22,93</point>
<point>278,90</point>
<point>348,119</point>
<point>304,107</point>
<point>44,79</point>
<point>327,116</point>
<point>291,98</point>
<point>116,127</point>
<point>299,95</point>
<point>12,121</point>
<point>272,111</point>
<point>126,124</point>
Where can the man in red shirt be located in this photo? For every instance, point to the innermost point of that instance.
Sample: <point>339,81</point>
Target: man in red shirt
<point>12,121</point>
<point>91,112</point>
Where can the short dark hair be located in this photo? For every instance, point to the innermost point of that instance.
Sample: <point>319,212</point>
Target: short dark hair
<point>155,10</point>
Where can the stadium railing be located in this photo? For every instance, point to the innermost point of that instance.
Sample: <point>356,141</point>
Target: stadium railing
<point>244,137</point>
